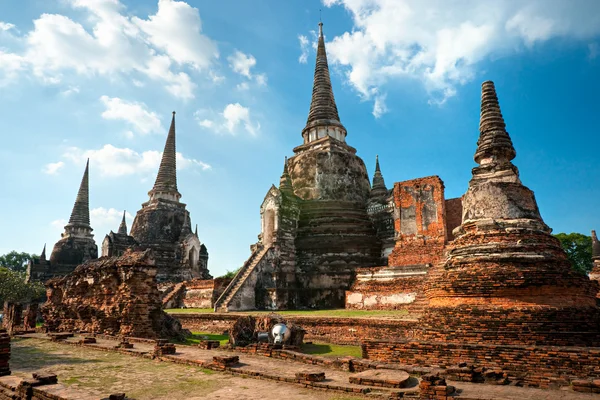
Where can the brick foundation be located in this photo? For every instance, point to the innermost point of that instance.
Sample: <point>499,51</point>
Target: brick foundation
<point>537,366</point>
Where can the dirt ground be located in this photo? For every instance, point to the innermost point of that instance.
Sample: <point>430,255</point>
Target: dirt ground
<point>102,373</point>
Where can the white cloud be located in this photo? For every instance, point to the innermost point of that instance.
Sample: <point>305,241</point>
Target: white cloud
<point>303,48</point>
<point>5,26</point>
<point>379,107</point>
<point>70,90</point>
<point>243,86</point>
<point>53,168</point>
<point>242,63</point>
<point>136,114</point>
<point>107,219</point>
<point>441,43</point>
<point>113,161</point>
<point>116,44</point>
<point>233,118</point>
<point>176,29</point>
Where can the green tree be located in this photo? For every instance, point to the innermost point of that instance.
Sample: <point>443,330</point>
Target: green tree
<point>16,261</point>
<point>230,274</point>
<point>14,288</point>
<point>579,250</point>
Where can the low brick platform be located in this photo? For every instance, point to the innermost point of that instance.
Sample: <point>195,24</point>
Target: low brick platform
<point>163,347</point>
<point>209,344</point>
<point>535,366</point>
<point>434,387</point>
<point>225,362</point>
<point>56,336</point>
<point>385,378</point>
<point>88,340</point>
<point>310,376</point>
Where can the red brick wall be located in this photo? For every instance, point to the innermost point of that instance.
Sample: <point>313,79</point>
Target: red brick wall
<point>453,215</point>
<point>536,365</point>
<point>422,224</point>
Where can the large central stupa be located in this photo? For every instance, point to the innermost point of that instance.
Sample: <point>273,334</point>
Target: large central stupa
<point>315,227</point>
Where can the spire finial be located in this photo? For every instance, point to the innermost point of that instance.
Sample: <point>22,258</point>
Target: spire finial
<point>166,179</point>
<point>196,231</point>
<point>494,144</point>
<point>285,182</point>
<point>123,227</point>
<point>80,216</point>
<point>378,188</point>
<point>323,110</point>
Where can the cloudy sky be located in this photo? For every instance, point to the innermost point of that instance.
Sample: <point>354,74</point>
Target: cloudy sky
<point>99,79</point>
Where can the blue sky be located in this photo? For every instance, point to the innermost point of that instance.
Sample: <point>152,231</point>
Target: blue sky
<point>99,79</point>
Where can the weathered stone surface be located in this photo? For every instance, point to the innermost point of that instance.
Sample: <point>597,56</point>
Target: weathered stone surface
<point>76,245</point>
<point>595,272</point>
<point>506,279</point>
<point>163,225</point>
<point>245,330</point>
<point>386,378</point>
<point>113,295</point>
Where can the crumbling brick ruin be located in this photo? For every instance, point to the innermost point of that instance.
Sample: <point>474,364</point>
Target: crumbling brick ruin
<point>163,225</point>
<point>111,295</point>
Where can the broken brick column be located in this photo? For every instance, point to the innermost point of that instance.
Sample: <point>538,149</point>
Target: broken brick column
<point>13,315</point>
<point>4,352</point>
<point>30,316</point>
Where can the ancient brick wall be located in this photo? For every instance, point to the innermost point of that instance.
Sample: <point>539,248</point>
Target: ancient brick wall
<point>202,293</point>
<point>421,228</point>
<point>453,215</point>
<point>537,363</point>
<point>112,295</point>
<point>329,330</point>
<point>387,288</point>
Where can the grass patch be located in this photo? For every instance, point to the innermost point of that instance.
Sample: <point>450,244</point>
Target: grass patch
<point>190,310</point>
<point>340,313</point>
<point>197,337</point>
<point>332,350</point>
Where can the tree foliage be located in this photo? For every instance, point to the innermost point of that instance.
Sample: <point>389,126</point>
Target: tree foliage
<point>579,250</point>
<point>13,287</point>
<point>16,261</point>
<point>230,274</point>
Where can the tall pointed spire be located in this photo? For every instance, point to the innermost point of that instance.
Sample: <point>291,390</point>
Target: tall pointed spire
<point>166,179</point>
<point>196,231</point>
<point>123,227</point>
<point>378,188</point>
<point>595,247</point>
<point>43,255</point>
<point>494,144</point>
<point>79,222</point>
<point>285,182</point>
<point>323,110</point>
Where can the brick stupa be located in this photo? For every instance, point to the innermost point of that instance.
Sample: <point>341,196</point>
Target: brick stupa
<point>506,279</point>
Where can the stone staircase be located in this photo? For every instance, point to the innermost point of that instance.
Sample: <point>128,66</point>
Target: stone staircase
<point>222,303</point>
<point>171,299</point>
